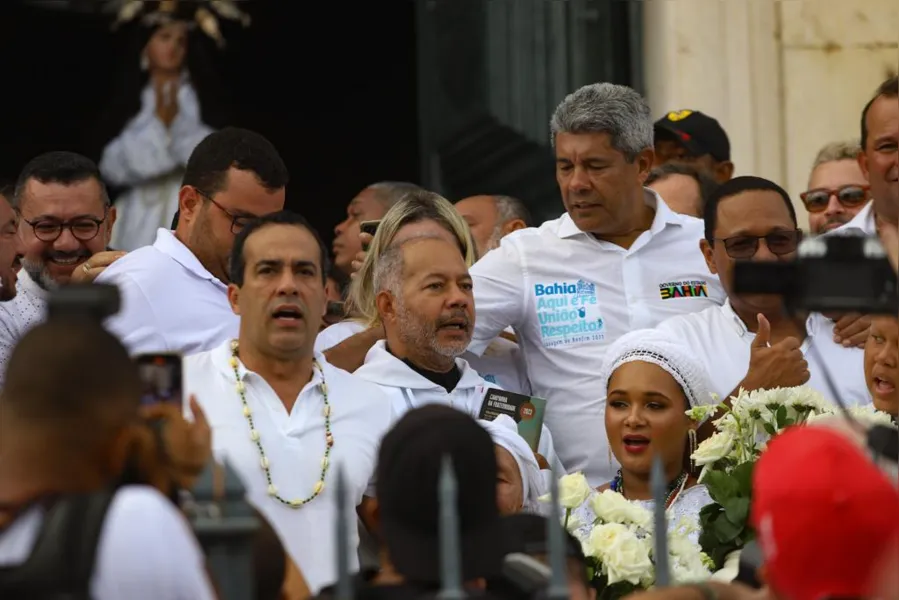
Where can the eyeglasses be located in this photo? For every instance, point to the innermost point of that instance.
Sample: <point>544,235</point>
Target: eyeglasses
<point>779,243</point>
<point>83,229</point>
<point>238,222</point>
<point>850,196</point>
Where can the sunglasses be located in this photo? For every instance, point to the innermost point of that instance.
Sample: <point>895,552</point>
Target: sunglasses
<point>850,196</point>
<point>743,247</point>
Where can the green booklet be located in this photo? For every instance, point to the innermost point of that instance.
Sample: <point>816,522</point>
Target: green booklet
<point>527,411</point>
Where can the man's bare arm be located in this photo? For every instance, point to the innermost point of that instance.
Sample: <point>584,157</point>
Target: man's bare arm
<point>349,354</point>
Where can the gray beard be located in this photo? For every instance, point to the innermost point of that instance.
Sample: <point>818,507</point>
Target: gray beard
<point>39,275</point>
<point>416,334</point>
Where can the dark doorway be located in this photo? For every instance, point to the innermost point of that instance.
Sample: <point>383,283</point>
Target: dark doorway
<point>333,86</point>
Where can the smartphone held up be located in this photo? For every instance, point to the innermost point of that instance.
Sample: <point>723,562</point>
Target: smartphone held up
<point>162,378</point>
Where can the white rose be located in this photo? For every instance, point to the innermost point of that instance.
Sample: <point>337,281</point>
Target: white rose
<point>573,490</point>
<point>627,559</point>
<point>601,538</point>
<point>612,507</point>
<point>714,448</point>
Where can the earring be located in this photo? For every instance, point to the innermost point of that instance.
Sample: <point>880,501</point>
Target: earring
<point>144,62</point>
<point>609,451</point>
<point>692,435</point>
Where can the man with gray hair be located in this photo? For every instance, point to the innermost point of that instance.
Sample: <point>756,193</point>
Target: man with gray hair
<point>619,259</point>
<point>371,204</point>
<point>491,218</point>
<point>837,188</point>
<point>426,304</point>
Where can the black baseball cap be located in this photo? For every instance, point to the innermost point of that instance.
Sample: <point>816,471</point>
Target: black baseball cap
<point>408,473</point>
<point>698,132</point>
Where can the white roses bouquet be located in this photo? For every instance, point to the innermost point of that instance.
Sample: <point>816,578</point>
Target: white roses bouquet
<point>728,457</point>
<point>619,544</point>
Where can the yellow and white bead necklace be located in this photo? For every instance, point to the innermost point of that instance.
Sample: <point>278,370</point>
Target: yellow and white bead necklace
<point>254,435</point>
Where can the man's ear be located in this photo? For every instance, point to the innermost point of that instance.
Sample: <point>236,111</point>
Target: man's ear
<point>386,306</point>
<point>513,225</point>
<point>724,171</point>
<point>862,159</point>
<point>644,162</point>
<point>234,298</point>
<point>189,203</point>
<point>708,253</point>
<point>110,222</point>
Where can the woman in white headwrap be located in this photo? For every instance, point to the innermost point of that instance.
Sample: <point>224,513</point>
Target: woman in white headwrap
<point>520,481</point>
<point>649,381</point>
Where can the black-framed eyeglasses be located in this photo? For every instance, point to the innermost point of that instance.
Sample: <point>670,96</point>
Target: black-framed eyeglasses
<point>83,229</point>
<point>238,222</point>
<point>850,196</point>
<point>778,242</point>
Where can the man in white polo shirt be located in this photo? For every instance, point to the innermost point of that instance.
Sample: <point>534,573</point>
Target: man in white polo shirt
<point>174,293</point>
<point>879,160</point>
<point>619,260</point>
<point>751,342</point>
<point>283,417</point>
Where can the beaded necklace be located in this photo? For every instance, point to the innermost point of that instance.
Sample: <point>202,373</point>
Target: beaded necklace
<point>254,435</point>
<point>674,488</point>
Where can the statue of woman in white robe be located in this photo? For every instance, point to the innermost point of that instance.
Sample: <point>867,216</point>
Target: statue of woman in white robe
<point>148,156</point>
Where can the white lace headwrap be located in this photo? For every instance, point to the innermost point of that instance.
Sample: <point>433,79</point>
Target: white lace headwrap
<point>652,346</point>
<point>504,432</point>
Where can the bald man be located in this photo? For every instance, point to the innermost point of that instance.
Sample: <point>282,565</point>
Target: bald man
<point>491,218</point>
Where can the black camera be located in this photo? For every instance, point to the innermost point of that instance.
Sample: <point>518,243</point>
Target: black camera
<point>93,301</point>
<point>831,274</point>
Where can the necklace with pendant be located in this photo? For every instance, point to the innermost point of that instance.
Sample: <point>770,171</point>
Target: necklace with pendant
<point>254,436</point>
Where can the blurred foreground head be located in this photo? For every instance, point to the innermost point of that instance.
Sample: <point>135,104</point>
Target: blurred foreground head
<point>70,397</point>
<point>408,477</point>
<point>824,514</point>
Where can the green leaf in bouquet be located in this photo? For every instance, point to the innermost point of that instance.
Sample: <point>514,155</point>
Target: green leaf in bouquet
<point>742,476</point>
<point>737,511</point>
<point>720,485</point>
<point>769,429</point>
<point>726,530</point>
<point>780,415</point>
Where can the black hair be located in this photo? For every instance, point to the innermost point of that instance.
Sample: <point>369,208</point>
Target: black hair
<point>738,185</point>
<point>8,190</point>
<point>706,183</point>
<point>245,150</point>
<point>890,89</point>
<point>284,217</point>
<point>57,347</point>
<point>66,168</point>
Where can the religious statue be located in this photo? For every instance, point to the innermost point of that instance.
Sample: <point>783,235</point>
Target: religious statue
<point>163,116</point>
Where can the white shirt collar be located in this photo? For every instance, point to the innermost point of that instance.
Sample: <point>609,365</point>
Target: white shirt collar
<point>221,358</point>
<point>168,244</point>
<point>664,216</point>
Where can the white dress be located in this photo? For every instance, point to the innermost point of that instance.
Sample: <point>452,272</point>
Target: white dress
<point>149,160</point>
<point>687,504</point>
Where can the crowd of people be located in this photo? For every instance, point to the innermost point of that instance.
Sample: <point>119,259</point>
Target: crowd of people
<point>373,358</point>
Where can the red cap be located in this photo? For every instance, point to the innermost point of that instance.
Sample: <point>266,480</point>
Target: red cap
<point>824,515</point>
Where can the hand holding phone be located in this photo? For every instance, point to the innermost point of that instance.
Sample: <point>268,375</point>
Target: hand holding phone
<point>369,228</point>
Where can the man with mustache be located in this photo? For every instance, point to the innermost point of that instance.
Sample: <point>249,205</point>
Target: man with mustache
<point>283,417</point>
<point>65,223</point>
<point>425,301</point>
<point>11,248</point>
<point>426,304</point>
